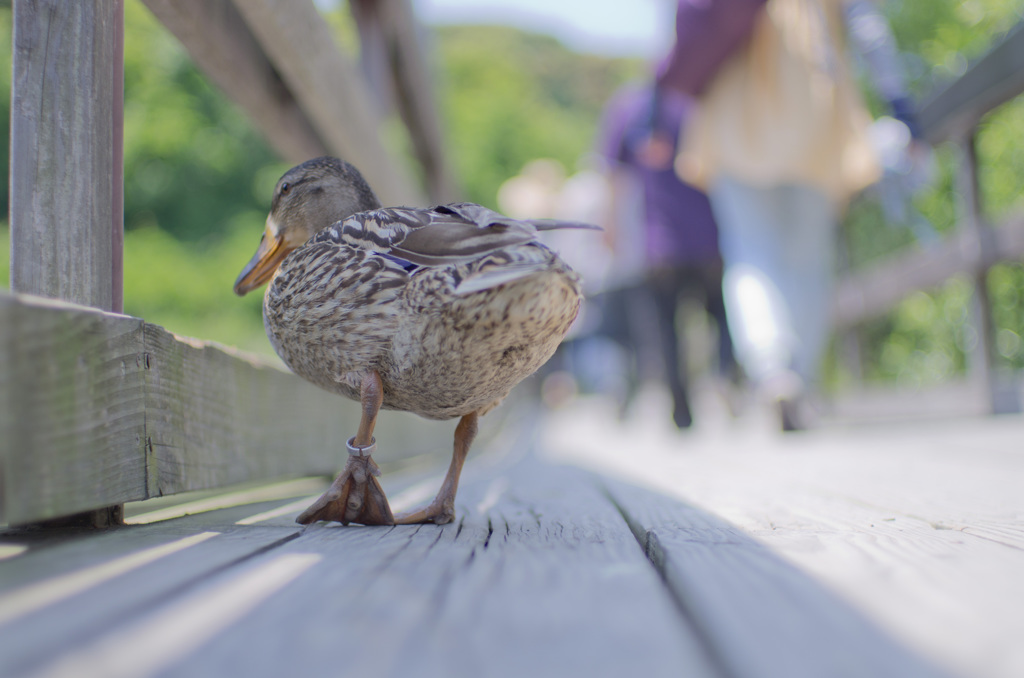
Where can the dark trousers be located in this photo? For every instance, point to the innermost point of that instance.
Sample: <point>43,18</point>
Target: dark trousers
<point>669,287</point>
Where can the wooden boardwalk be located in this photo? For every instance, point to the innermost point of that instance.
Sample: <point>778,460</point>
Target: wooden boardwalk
<point>583,547</point>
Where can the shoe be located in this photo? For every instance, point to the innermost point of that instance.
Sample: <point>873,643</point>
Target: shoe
<point>789,415</point>
<point>681,415</point>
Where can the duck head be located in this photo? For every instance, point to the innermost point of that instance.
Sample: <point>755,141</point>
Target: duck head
<point>309,197</point>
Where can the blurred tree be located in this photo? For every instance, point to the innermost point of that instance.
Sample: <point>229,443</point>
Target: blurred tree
<point>192,161</point>
<point>509,97</point>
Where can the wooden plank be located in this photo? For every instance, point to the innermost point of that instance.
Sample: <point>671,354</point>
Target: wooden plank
<point>223,47</point>
<point>761,615</point>
<point>539,576</point>
<point>914,526</point>
<point>982,355</point>
<point>70,593</point>
<point>213,419</point>
<point>393,53</point>
<point>216,417</point>
<point>117,161</point>
<point>558,571</point>
<point>71,387</point>
<point>193,503</point>
<point>65,144</point>
<point>298,42</point>
<point>99,408</point>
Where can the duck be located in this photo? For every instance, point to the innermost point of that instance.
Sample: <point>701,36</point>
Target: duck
<point>437,311</point>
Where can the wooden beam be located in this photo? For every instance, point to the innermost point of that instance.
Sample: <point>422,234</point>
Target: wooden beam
<point>993,80</point>
<point>66,177</point>
<point>67,185</point>
<point>875,289</point>
<point>327,85</point>
<point>222,46</point>
<point>394,57</point>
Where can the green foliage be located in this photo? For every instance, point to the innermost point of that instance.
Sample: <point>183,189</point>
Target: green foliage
<point>5,259</point>
<point>188,289</point>
<point>5,107</point>
<point>509,97</point>
<point>191,159</point>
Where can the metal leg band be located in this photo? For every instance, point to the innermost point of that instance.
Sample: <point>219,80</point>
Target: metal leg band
<point>357,451</point>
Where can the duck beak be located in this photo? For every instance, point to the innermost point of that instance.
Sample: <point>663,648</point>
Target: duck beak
<point>263,264</point>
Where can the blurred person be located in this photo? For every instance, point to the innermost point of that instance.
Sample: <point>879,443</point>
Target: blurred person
<point>640,137</point>
<point>780,142</point>
<point>533,193</point>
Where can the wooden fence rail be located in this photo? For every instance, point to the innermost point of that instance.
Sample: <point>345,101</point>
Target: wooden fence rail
<point>953,116</point>
<point>98,408</point>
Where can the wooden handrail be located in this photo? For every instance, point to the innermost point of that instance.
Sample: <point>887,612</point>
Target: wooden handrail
<point>991,81</point>
<point>874,289</point>
<point>98,408</point>
<point>278,60</point>
<point>222,46</point>
<point>953,115</point>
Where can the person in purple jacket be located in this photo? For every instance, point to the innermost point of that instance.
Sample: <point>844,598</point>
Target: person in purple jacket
<point>639,140</point>
<point>779,138</point>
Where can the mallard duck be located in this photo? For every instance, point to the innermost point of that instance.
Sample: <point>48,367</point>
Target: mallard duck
<point>437,311</point>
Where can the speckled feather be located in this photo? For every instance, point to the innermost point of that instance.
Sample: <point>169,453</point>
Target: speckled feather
<point>453,306</point>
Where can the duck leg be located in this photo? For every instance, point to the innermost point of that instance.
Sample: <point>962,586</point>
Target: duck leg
<point>356,496</point>
<point>442,509</point>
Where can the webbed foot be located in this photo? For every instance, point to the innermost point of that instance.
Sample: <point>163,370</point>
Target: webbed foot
<point>442,509</point>
<point>355,496</point>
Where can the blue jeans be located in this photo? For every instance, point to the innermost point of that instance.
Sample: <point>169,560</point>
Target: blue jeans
<point>778,244</point>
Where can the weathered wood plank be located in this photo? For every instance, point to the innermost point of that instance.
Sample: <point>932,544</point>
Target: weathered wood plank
<point>915,525</point>
<point>65,150</point>
<point>761,615</point>
<point>192,503</point>
<point>71,388</point>
<point>60,596</point>
<point>540,576</point>
<point>99,408</point>
<point>330,90</point>
<point>215,417</point>
<point>558,571</point>
<point>221,44</point>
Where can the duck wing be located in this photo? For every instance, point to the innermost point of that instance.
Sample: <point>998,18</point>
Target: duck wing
<point>447,234</point>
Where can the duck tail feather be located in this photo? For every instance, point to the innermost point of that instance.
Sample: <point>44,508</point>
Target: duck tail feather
<point>493,277</point>
<point>556,224</point>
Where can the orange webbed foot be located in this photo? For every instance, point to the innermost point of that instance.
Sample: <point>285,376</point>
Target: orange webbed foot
<point>442,509</point>
<point>355,496</point>
<point>440,512</point>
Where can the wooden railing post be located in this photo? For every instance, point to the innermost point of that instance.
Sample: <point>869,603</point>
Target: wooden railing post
<point>66,153</point>
<point>981,354</point>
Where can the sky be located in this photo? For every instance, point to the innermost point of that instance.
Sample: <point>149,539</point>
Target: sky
<point>639,28</point>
